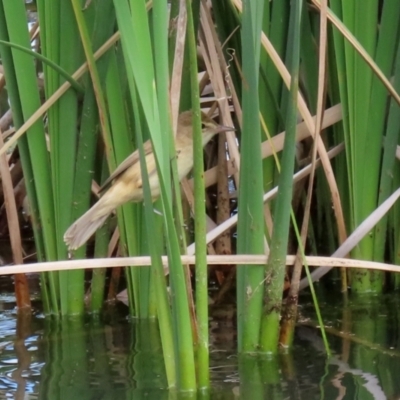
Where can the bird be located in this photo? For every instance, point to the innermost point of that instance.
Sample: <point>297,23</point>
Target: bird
<point>125,183</point>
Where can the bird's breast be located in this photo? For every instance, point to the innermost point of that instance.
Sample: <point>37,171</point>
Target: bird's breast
<point>184,157</point>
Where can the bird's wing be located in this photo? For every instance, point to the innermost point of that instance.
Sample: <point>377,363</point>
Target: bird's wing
<point>129,161</point>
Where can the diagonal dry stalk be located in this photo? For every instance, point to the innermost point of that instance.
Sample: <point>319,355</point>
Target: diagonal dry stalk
<point>360,49</point>
<point>308,119</point>
<point>57,94</point>
<point>211,236</point>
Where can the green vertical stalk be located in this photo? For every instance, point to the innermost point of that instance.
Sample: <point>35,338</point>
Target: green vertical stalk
<point>129,215</point>
<point>96,81</point>
<point>13,94</point>
<point>309,60</point>
<point>100,251</point>
<point>63,137</point>
<point>49,18</point>
<point>136,44</point>
<point>160,27</point>
<point>338,56</point>
<point>250,218</point>
<point>200,228</point>
<point>162,72</point>
<point>164,312</point>
<point>365,109</point>
<point>28,96</point>
<point>387,56</point>
<point>362,21</point>
<point>275,269</point>
<point>275,23</point>
<point>99,21</point>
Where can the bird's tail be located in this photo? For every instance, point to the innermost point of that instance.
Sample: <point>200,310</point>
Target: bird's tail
<point>84,227</point>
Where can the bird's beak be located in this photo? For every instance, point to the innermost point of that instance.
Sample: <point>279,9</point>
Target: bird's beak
<point>223,128</point>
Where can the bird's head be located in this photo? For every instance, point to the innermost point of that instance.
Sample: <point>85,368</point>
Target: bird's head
<point>208,125</point>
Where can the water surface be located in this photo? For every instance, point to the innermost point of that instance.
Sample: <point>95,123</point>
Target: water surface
<point>113,356</point>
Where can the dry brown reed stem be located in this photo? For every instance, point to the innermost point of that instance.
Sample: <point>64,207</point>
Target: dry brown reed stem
<point>290,311</point>
<point>223,244</point>
<point>21,283</point>
<point>207,46</point>
<point>214,60</point>
<point>220,77</point>
<point>238,259</point>
<point>331,116</point>
<point>267,196</point>
<point>356,236</point>
<point>188,191</point>
<point>176,78</point>
<point>16,176</point>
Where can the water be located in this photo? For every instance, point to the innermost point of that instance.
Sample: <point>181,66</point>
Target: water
<point>116,357</point>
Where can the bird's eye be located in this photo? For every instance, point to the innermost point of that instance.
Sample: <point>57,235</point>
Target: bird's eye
<point>203,125</point>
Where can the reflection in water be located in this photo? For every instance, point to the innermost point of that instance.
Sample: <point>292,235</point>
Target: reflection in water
<point>80,358</point>
<point>111,357</point>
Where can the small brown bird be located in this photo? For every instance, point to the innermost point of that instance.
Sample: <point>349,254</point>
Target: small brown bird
<point>127,178</point>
